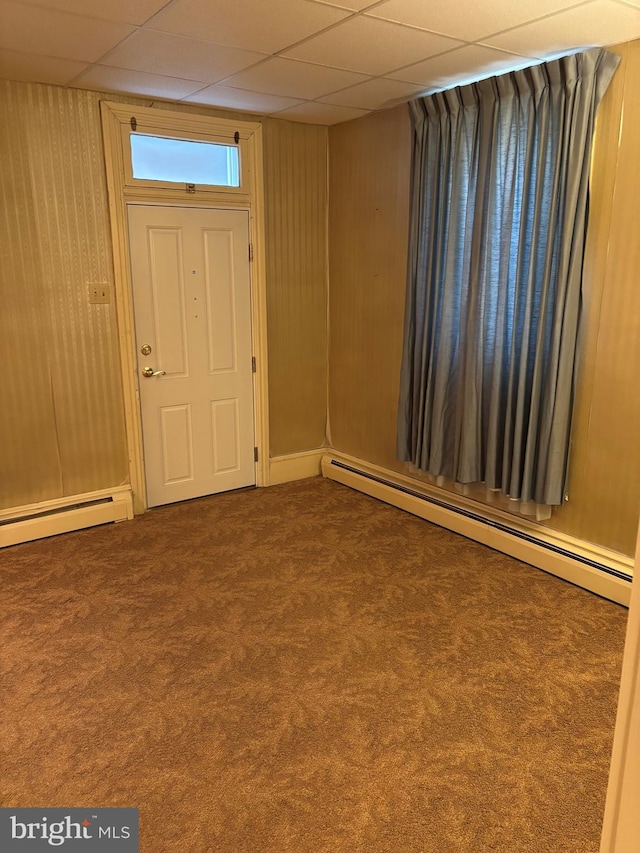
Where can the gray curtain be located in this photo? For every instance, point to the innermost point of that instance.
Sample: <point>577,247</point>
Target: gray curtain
<point>498,217</point>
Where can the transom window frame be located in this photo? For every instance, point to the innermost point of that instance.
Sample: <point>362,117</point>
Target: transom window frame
<point>119,120</point>
<point>191,128</point>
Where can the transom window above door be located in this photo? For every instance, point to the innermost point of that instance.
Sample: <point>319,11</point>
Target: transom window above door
<point>162,153</point>
<point>185,161</point>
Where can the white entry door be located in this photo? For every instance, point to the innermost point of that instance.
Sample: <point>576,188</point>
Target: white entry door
<point>192,305</point>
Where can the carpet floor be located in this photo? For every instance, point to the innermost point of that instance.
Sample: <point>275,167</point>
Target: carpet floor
<point>302,669</point>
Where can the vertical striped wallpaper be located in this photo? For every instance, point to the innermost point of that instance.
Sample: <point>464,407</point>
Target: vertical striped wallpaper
<point>73,238</point>
<point>29,455</point>
<point>62,378</point>
<point>296,245</point>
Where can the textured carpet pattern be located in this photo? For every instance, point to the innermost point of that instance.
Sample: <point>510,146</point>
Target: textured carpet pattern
<point>302,669</point>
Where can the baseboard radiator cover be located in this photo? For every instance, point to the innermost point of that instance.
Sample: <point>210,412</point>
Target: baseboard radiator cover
<point>598,570</point>
<point>49,518</point>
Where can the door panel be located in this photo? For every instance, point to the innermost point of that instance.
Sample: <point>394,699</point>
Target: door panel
<point>219,282</point>
<point>177,448</point>
<point>226,435</point>
<point>191,288</point>
<point>167,299</point>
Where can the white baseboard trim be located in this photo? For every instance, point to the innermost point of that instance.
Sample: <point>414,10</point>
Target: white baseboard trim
<point>295,466</point>
<point>596,569</point>
<point>49,518</point>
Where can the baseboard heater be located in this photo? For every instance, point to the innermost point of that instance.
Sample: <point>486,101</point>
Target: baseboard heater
<point>49,518</point>
<point>604,572</point>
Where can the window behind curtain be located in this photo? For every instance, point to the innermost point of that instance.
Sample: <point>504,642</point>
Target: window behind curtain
<point>498,217</point>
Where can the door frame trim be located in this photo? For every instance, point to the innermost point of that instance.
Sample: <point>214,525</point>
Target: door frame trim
<point>115,120</point>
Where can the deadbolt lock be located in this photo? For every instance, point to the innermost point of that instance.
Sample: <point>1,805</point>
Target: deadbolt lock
<point>145,349</point>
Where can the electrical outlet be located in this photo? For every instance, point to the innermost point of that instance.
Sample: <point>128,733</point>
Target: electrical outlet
<point>99,294</point>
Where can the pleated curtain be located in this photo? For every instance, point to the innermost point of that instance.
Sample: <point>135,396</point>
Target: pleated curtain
<point>499,204</point>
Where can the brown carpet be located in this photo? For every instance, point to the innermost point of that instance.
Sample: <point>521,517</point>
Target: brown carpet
<point>302,669</point>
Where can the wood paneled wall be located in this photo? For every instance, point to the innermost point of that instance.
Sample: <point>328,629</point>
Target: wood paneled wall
<point>369,186</point>
<point>61,422</point>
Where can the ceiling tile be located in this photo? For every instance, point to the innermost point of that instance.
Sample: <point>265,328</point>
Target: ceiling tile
<point>136,82</point>
<point>601,22</point>
<point>321,113</point>
<point>28,29</point>
<point>179,56</point>
<point>374,94</point>
<point>125,11</point>
<point>456,17</point>
<point>267,26</point>
<point>239,99</point>
<point>293,79</point>
<point>470,62</point>
<point>371,46</point>
<point>352,55</point>
<point>38,69</point>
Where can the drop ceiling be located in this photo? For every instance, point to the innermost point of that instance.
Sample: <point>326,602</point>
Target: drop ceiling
<point>302,60</point>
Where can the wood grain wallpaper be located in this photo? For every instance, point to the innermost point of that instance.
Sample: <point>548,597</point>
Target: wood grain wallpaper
<point>369,171</point>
